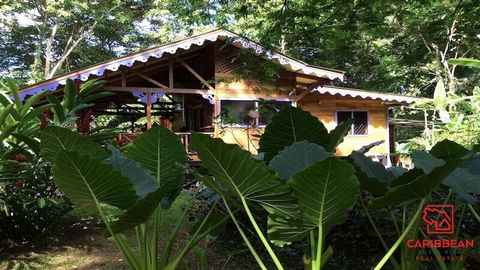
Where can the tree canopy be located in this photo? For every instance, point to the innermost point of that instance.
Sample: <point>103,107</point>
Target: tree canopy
<point>386,45</point>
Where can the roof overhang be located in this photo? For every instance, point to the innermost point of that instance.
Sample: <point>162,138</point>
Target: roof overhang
<point>171,48</point>
<point>389,99</point>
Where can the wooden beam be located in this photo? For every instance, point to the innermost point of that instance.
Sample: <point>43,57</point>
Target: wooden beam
<point>158,89</point>
<point>170,72</point>
<point>124,79</point>
<point>148,110</point>
<point>194,73</point>
<point>148,79</point>
<point>306,91</point>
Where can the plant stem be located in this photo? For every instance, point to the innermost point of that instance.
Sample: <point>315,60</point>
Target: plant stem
<point>245,239</point>
<point>312,249</point>
<point>260,235</point>
<point>156,228</point>
<point>400,239</point>
<point>380,237</point>
<point>319,247</point>
<point>474,213</point>
<point>397,229</point>
<point>119,241</point>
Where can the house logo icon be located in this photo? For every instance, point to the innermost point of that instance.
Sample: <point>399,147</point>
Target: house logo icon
<point>439,218</point>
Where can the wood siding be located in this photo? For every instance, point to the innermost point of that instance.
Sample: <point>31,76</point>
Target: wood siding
<point>325,106</point>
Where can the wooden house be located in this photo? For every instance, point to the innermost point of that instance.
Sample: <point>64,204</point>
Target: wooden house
<point>186,85</point>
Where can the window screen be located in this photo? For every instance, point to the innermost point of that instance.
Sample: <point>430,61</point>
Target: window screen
<point>360,121</point>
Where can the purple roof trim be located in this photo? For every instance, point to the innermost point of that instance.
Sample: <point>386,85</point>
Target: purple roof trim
<point>143,97</point>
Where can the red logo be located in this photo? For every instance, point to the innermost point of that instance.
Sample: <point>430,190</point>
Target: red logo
<point>439,218</point>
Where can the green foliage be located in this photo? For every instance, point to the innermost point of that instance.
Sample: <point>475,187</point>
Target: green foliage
<point>296,157</point>
<point>292,144</point>
<point>29,201</point>
<point>66,112</point>
<point>92,181</point>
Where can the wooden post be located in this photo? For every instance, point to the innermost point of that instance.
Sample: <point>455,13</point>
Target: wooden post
<point>216,113</point>
<point>170,71</point>
<point>148,109</point>
<point>216,102</point>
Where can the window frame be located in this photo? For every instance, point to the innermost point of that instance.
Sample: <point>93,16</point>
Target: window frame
<point>255,101</point>
<point>352,128</point>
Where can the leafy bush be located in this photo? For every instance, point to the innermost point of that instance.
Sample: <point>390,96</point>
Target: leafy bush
<point>29,201</point>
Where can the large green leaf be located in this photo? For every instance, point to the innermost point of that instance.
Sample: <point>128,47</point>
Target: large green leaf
<point>296,157</point>
<point>447,149</point>
<point>371,168</point>
<point>425,161</point>
<point>142,179</point>
<point>87,181</point>
<point>160,151</point>
<point>325,191</point>
<point>372,175</point>
<point>335,137</point>
<point>467,62</point>
<point>54,139</point>
<point>240,175</point>
<point>461,180</point>
<point>288,126</point>
<point>141,211</point>
<point>417,189</point>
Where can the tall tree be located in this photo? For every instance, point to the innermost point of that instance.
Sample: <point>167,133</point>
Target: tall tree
<point>52,37</point>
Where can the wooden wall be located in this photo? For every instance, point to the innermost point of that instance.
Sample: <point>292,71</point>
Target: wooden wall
<point>324,107</point>
<point>321,106</point>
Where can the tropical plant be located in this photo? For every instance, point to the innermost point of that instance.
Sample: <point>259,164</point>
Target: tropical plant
<point>66,112</point>
<point>19,120</point>
<point>447,167</point>
<point>282,183</point>
<point>29,200</point>
<point>306,190</point>
<point>140,181</point>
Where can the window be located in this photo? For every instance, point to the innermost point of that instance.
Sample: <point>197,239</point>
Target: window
<point>235,112</point>
<point>360,121</point>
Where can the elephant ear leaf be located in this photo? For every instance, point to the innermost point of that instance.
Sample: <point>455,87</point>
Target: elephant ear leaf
<point>325,191</point>
<point>236,173</point>
<point>161,152</point>
<point>288,126</point>
<point>140,212</point>
<point>296,157</point>
<point>142,179</point>
<point>335,137</point>
<point>87,181</point>
<point>55,139</point>
<point>372,175</point>
<point>447,149</point>
<point>426,161</point>
<point>417,189</point>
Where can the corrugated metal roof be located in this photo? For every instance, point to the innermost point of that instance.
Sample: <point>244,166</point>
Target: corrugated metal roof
<point>400,99</point>
<point>171,48</point>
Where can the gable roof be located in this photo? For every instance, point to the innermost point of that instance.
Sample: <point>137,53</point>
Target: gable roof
<point>390,98</point>
<point>185,44</point>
